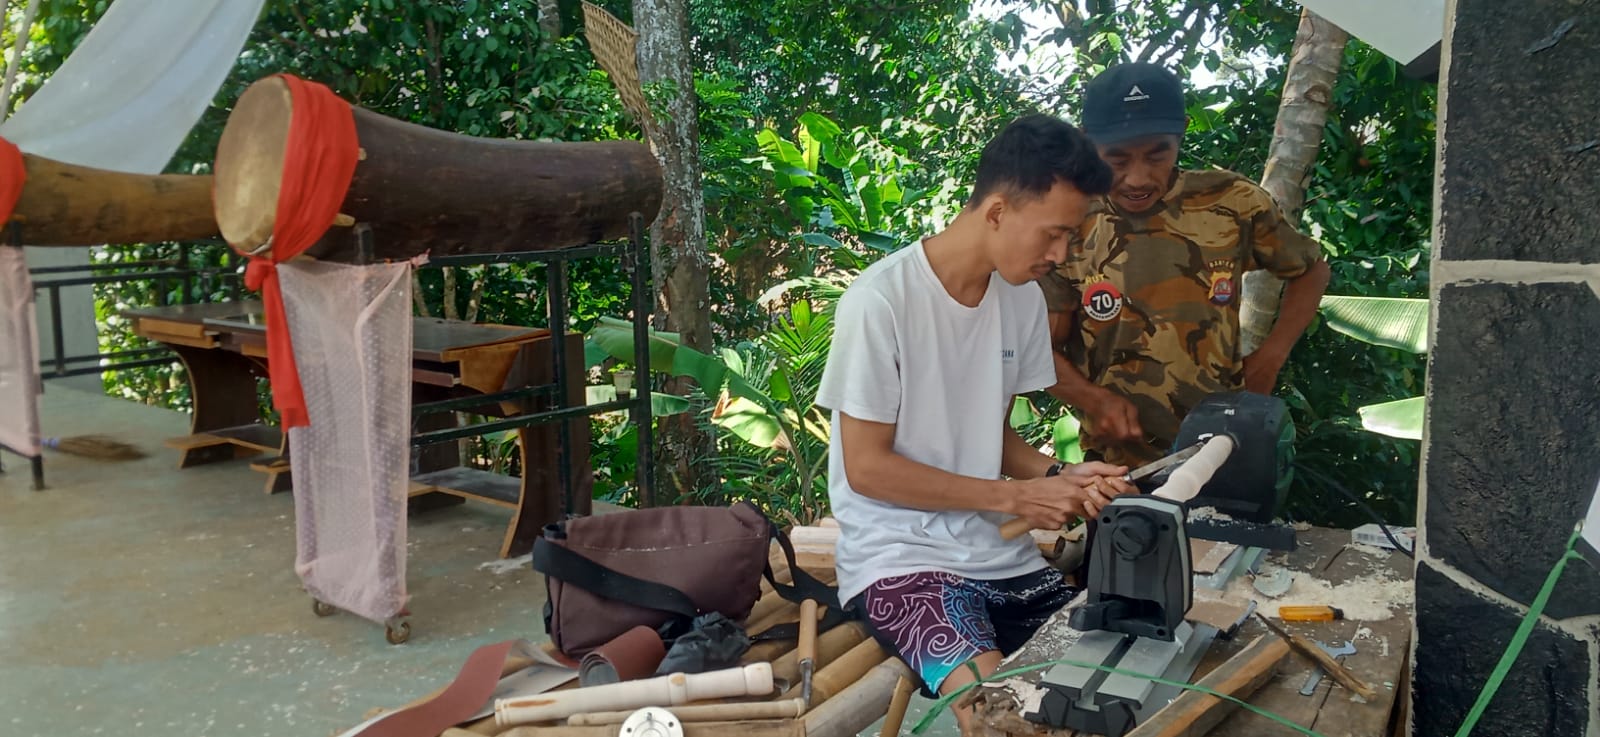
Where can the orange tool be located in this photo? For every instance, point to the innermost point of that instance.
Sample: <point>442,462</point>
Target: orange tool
<point>1309,613</point>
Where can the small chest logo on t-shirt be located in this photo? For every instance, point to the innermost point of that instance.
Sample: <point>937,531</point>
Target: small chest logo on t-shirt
<point>1101,300</point>
<point>1222,286</point>
<point>1008,354</point>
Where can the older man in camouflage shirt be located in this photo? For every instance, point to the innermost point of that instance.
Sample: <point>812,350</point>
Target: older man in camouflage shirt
<point>1145,309</point>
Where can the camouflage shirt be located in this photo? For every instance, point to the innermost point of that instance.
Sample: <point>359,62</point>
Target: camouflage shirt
<point>1155,297</point>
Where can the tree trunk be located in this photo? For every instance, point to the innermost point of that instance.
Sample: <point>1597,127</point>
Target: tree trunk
<point>681,267</point>
<point>550,19</point>
<point>1307,94</point>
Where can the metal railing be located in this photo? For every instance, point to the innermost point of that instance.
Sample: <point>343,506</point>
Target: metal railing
<point>196,285</point>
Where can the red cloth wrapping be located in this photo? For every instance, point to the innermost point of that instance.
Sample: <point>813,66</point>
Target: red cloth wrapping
<point>12,176</point>
<point>319,161</point>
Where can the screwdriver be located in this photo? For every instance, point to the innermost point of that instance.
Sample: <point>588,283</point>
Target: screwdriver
<point>1309,613</point>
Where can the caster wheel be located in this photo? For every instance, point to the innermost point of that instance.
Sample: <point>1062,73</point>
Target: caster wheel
<point>322,608</point>
<point>397,633</point>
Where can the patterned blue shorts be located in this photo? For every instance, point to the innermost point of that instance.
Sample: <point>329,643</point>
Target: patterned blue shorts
<point>937,621</point>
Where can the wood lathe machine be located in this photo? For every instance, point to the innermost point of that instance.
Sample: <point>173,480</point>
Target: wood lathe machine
<point>1140,578</point>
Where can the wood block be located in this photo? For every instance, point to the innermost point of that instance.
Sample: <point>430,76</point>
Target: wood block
<point>1207,555</point>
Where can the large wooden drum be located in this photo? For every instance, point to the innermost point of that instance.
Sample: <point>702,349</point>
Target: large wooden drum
<point>425,190</point>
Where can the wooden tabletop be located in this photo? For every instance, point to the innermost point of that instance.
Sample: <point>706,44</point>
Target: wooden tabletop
<point>1323,561</point>
<point>433,339</point>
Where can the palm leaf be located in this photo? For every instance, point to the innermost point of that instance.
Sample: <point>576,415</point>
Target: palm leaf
<point>1387,321</point>
<point>1401,419</point>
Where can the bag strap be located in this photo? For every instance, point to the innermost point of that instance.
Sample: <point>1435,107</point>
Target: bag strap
<point>805,586</point>
<point>560,562</point>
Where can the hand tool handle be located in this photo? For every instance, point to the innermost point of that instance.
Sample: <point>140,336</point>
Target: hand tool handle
<point>806,648</point>
<point>1309,613</point>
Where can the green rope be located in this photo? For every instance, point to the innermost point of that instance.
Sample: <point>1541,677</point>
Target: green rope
<point>945,701</point>
<point>1520,639</point>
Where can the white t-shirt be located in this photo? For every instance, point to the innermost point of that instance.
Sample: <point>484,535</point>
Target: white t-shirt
<point>906,352</point>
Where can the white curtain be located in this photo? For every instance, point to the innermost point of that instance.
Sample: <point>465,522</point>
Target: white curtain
<point>19,363</point>
<point>129,94</point>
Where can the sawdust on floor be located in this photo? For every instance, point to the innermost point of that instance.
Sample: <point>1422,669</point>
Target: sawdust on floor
<point>1209,513</point>
<point>1370,597</point>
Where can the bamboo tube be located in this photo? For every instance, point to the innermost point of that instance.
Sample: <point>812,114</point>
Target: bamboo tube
<point>859,705</point>
<point>839,674</point>
<point>897,708</point>
<point>831,646</point>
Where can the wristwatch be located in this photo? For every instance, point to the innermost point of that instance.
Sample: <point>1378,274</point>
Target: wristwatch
<point>1055,469</point>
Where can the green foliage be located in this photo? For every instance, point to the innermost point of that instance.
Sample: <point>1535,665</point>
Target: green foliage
<point>832,134</point>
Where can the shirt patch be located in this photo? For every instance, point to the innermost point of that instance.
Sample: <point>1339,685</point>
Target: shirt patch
<point>1222,286</point>
<point>1101,300</point>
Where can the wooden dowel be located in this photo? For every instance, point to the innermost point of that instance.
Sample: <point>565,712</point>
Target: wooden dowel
<point>1193,713</point>
<point>765,728</point>
<point>790,709</point>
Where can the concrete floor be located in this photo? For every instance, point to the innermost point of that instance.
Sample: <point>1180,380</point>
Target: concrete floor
<point>136,599</point>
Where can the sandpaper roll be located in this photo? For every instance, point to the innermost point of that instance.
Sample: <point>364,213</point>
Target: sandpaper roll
<point>628,656</point>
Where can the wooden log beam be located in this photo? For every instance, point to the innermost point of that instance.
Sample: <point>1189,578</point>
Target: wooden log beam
<point>426,190</point>
<point>69,205</point>
<point>1193,714</point>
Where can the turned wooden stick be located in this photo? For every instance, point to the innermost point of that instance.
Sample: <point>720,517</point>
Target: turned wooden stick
<point>679,688</point>
<point>1181,486</point>
<point>790,709</point>
<point>763,728</point>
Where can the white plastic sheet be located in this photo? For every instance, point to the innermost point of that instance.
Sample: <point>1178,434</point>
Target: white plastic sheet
<point>134,87</point>
<point>351,327</point>
<point>19,351</point>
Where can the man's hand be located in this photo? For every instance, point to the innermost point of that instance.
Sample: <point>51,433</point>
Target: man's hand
<point>1261,369</point>
<point>1049,503</point>
<point>1114,418</point>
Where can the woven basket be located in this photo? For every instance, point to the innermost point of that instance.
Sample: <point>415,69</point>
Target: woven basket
<point>615,47</point>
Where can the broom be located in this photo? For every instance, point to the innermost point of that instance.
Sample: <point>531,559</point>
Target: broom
<point>102,447</point>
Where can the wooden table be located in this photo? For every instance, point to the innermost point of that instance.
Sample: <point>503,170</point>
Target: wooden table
<point>223,347</point>
<point>1381,657</point>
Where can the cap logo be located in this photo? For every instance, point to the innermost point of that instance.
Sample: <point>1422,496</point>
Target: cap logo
<point>1135,94</point>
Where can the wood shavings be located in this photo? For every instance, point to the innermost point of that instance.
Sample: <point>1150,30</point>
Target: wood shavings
<point>1028,695</point>
<point>1209,513</point>
<point>1368,598</point>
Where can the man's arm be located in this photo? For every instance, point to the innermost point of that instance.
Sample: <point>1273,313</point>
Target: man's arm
<point>874,470</point>
<point>1019,460</point>
<point>1112,417</point>
<point>1301,298</point>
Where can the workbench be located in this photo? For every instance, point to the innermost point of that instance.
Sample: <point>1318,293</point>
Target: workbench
<point>1381,658</point>
<point>223,347</point>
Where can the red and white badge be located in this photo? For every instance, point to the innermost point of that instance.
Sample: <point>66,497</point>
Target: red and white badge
<point>1102,301</point>
<point>1222,286</point>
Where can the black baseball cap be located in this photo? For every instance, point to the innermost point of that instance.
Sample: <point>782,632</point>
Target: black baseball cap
<point>1133,100</point>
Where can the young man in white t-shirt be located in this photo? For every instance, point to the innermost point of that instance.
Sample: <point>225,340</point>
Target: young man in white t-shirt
<point>930,346</point>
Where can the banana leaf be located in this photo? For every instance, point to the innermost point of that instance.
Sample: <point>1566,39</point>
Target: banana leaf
<point>1401,419</point>
<point>1387,321</point>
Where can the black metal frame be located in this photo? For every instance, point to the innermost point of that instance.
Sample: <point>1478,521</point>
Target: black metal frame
<point>635,256</point>
<point>63,366</point>
<point>14,240</point>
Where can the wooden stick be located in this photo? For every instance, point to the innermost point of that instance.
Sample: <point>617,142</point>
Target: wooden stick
<point>1193,713</point>
<point>838,675</point>
<point>766,728</point>
<point>1334,669</point>
<point>897,708</point>
<point>859,705</point>
<point>790,709</point>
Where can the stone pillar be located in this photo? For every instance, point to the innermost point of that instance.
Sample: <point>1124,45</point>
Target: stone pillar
<point>1512,446</point>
